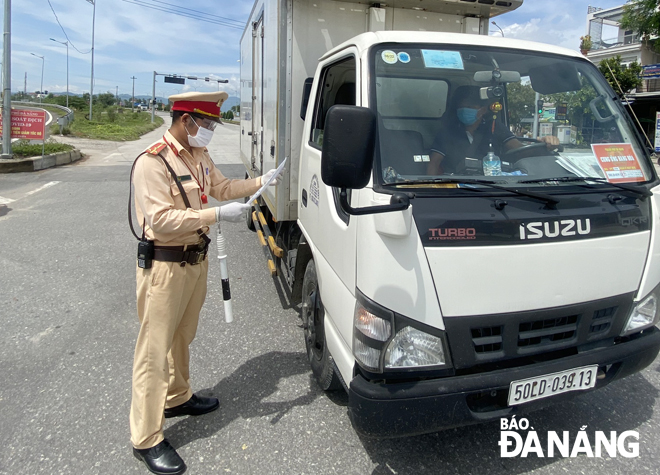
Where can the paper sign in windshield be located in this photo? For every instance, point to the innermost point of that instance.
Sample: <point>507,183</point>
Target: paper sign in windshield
<point>619,162</point>
<point>434,58</point>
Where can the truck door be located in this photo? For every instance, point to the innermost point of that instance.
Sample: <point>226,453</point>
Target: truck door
<point>331,230</point>
<point>257,94</point>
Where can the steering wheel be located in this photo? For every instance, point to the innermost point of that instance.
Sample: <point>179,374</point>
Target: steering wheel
<point>534,149</point>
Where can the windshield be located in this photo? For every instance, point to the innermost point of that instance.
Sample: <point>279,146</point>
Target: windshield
<point>518,117</point>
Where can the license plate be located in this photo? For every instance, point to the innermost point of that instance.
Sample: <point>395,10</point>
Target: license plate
<point>531,389</point>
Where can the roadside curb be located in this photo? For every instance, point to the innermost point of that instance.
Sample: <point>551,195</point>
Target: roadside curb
<point>33,164</point>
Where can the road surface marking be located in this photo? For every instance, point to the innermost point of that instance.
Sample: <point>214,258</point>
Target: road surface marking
<point>111,155</point>
<point>47,185</point>
<point>5,201</point>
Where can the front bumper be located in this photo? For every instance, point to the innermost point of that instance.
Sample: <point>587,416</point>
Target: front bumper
<point>404,409</point>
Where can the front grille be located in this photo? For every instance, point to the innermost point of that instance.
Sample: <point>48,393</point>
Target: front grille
<point>602,320</point>
<point>547,332</point>
<point>487,339</point>
<point>481,339</point>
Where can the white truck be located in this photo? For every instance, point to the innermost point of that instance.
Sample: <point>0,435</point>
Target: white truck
<point>434,294</point>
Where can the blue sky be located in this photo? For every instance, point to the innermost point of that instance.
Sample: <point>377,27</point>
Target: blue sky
<point>132,40</point>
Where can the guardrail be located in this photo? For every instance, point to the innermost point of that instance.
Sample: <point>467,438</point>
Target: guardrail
<point>61,121</point>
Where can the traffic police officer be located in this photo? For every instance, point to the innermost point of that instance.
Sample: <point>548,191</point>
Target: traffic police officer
<point>170,293</point>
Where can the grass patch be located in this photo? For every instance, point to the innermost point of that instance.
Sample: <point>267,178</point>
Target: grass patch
<point>110,125</point>
<point>23,148</point>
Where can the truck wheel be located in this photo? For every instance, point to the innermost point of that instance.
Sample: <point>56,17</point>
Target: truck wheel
<point>313,313</point>
<point>248,218</point>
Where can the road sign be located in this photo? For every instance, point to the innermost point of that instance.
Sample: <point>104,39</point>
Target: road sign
<point>27,124</point>
<point>561,110</point>
<point>175,80</point>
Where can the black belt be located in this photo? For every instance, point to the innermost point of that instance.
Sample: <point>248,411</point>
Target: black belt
<point>177,254</point>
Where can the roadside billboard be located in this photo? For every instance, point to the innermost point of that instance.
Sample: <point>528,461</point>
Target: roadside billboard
<point>657,131</point>
<point>27,124</point>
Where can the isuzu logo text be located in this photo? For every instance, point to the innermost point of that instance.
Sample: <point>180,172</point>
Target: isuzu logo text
<point>553,229</point>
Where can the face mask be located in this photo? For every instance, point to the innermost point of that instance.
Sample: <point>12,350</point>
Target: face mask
<point>202,138</point>
<point>467,115</point>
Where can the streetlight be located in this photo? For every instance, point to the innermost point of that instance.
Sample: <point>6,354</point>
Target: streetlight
<point>496,25</point>
<point>66,43</point>
<point>91,87</point>
<point>41,91</point>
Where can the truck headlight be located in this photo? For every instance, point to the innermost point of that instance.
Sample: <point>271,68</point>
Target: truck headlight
<point>411,347</point>
<point>383,340</point>
<point>372,328</point>
<point>645,314</point>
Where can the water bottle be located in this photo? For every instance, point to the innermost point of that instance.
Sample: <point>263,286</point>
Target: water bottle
<point>492,164</point>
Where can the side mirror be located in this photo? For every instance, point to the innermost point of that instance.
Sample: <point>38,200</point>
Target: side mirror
<point>349,139</point>
<point>307,91</point>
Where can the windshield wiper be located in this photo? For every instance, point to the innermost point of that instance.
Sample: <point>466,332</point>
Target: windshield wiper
<point>566,179</point>
<point>471,181</point>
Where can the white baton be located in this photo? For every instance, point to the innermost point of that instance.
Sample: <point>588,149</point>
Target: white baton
<point>224,275</point>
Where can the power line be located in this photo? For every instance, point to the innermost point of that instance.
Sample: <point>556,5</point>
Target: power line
<point>239,23</point>
<point>184,14</point>
<point>63,31</point>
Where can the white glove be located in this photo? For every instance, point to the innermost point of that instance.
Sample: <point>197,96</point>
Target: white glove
<point>232,212</point>
<point>267,176</point>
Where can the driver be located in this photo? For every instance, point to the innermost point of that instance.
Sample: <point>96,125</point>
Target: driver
<point>470,136</point>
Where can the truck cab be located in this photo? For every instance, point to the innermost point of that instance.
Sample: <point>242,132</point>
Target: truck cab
<point>484,289</point>
<point>466,221</point>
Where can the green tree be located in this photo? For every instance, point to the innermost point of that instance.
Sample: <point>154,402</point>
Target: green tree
<point>620,77</point>
<point>520,101</point>
<point>105,99</point>
<point>643,17</point>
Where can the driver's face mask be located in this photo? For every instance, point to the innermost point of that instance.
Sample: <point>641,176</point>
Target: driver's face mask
<point>467,115</point>
<point>203,136</point>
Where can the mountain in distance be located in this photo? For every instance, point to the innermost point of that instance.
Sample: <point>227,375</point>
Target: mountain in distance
<point>227,105</point>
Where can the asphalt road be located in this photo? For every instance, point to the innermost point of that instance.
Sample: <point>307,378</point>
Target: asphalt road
<point>68,329</point>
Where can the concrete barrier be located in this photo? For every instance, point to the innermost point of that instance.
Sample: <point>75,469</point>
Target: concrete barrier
<point>32,164</point>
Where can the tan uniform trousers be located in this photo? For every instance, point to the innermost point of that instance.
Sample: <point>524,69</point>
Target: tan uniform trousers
<point>169,299</point>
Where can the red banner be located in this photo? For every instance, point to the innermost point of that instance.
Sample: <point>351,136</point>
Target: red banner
<point>619,162</point>
<point>27,124</point>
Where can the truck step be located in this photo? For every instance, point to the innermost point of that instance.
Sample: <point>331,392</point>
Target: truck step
<point>271,250</point>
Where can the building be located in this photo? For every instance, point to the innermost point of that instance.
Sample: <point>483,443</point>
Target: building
<point>609,40</point>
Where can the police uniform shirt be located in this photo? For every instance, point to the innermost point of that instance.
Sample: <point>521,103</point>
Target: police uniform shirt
<point>455,143</point>
<point>158,201</point>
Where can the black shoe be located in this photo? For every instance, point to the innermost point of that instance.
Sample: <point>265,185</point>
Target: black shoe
<point>195,406</point>
<point>161,459</point>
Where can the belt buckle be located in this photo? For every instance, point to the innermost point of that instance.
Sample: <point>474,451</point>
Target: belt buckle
<point>200,258</point>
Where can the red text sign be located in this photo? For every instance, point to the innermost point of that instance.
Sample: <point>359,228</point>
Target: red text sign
<point>619,162</point>
<point>27,124</point>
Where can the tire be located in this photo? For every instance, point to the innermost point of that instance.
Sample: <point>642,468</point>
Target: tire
<point>313,317</point>
<point>248,218</point>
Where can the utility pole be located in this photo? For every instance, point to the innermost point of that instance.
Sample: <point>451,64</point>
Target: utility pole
<point>117,95</point>
<point>153,100</point>
<point>6,86</point>
<point>535,129</point>
<point>41,91</point>
<point>65,43</point>
<point>91,87</point>
<point>133,96</point>
<point>25,85</point>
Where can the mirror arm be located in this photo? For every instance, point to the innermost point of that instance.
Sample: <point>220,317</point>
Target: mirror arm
<point>398,202</point>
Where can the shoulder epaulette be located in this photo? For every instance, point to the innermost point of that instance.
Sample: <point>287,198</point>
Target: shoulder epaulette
<point>156,148</point>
